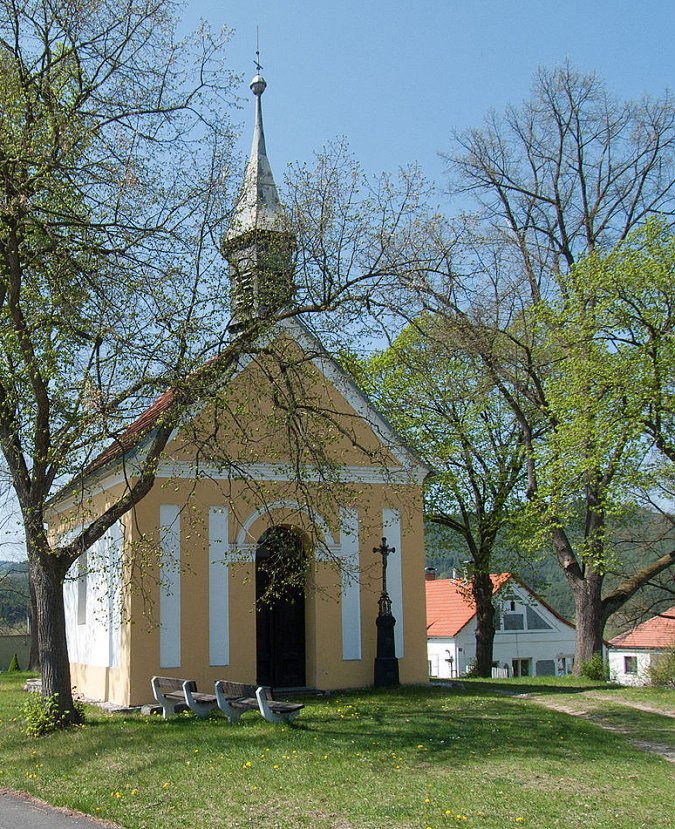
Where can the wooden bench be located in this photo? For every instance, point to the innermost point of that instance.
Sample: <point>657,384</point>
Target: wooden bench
<point>201,704</point>
<point>169,693</point>
<point>173,693</point>
<point>273,710</point>
<point>235,698</point>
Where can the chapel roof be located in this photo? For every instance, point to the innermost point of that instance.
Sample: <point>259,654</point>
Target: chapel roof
<point>657,632</point>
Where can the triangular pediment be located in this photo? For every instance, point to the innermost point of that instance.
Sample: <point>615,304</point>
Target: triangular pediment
<point>234,434</point>
<point>345,435</point>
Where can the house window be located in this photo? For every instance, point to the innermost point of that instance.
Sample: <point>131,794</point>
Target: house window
<point>514,621</point>
<point>521,667</point>
<point>545,667</point>
<point>565,665</point>
<point>535,621</point>
<point>630,664</point>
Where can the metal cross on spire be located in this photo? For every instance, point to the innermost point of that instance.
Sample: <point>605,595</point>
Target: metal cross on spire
<point>258,65</point>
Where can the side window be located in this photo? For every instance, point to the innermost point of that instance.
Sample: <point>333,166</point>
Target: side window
<point>82,589</point>
<point>630,664</point>
<point>514,621</point>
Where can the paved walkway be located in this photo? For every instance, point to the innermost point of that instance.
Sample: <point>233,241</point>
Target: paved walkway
<point>23,812</point>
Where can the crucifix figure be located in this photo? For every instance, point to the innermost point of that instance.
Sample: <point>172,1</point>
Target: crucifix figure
<point>386,663</point>
<point>384,602</point>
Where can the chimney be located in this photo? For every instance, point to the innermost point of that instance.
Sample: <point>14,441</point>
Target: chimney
<point>429,574</point>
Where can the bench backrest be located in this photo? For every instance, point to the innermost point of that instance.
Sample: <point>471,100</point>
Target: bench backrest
<point>170,683</point>
<point>236,689</point>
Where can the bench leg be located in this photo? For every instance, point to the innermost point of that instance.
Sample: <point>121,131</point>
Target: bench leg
<point>201,709</point>
<point>168,705</point>
<point>232,714</point>
<point>266,711</point>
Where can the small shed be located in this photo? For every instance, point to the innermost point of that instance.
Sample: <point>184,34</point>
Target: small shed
<point>631,654</point>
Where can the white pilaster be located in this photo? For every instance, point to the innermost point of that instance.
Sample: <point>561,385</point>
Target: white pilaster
<point>219,599</point>
<point>391,530</point>
<point>169,587</point>
<point>351,584</point>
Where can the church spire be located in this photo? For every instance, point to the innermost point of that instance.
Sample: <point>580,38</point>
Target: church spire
<point>257,244</point>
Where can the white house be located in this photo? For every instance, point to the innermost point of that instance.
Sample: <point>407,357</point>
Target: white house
<point>632,653</point>
<point>531,638</point>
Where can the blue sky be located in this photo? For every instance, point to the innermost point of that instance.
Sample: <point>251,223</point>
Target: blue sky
<point>396,78</point>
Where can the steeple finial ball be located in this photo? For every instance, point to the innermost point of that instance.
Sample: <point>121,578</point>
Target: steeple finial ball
<point>258,85</point>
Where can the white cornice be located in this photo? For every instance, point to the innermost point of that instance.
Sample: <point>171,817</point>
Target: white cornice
<point>288,472</point>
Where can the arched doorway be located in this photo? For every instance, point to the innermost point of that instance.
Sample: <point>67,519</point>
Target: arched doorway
<point>280,608</point>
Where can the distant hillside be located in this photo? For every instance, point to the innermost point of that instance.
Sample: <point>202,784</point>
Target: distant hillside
<point>14,593</point>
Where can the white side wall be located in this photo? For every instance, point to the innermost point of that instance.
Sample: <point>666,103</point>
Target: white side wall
<point>92,595</point>
<point>453,656</point>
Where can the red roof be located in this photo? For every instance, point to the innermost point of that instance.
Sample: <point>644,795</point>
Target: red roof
<point>450,604</point>
<point>658,632</point>
<point>134,433</point>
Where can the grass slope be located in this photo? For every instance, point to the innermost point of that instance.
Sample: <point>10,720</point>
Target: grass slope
<point>413,757</point>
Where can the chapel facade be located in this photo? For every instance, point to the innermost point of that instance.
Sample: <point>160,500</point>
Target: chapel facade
<point>252,557</point>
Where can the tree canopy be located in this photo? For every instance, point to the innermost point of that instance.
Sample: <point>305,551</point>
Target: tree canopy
<point>560,184</point>
<point>448,408</point>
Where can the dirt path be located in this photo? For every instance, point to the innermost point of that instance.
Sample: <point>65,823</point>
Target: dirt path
<point>650,709</point>
<point>662,749</point>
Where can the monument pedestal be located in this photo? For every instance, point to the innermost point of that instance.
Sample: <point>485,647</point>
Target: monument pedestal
<point>386,663</point>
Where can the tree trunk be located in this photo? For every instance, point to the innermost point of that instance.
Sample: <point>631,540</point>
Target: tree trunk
<point>34,658</point>
<point>47,573</point>
<point>482,589</point>
<point>590,616</point>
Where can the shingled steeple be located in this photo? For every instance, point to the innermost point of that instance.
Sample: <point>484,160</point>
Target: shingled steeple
<point>258,245</point>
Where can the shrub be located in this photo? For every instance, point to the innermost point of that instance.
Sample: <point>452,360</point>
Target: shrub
<point>662,669</point>
<point>42,718</point>
<point>596,668</point>
<point>14,664</point>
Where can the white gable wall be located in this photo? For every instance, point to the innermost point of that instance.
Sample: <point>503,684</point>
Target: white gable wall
<point>541,651</point>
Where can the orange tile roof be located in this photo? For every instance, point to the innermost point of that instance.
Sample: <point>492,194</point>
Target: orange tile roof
<point>450,604</point>
<point>658,632</point>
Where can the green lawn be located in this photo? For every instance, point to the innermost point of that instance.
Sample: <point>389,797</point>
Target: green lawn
<point>415,757</point>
